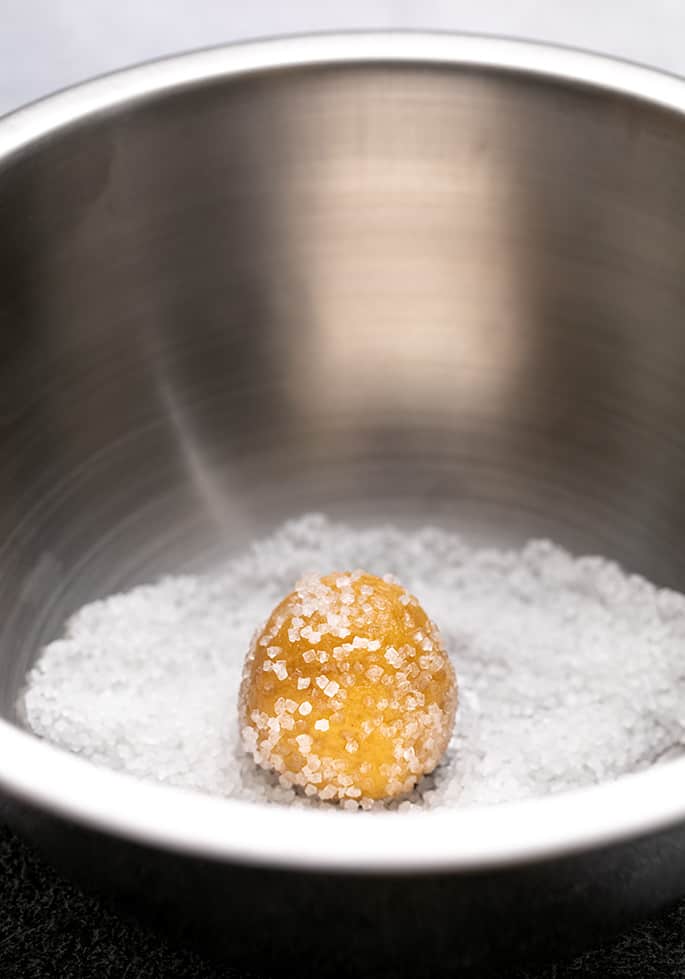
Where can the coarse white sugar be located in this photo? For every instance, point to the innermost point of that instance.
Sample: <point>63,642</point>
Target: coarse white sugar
<point>569,669</point>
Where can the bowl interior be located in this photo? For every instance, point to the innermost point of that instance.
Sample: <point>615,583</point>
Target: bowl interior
<point>387,291</point>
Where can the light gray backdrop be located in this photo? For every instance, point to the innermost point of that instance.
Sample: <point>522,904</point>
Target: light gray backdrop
<point>47,44</point>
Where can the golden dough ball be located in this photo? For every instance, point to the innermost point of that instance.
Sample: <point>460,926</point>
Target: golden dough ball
<point>347,691</point>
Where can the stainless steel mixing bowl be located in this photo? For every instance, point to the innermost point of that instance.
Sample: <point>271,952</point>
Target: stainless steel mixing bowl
<point>431,277</point>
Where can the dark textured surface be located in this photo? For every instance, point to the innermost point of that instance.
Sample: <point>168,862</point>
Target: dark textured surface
<point>50,928</point>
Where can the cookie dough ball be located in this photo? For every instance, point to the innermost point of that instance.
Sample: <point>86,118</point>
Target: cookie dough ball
<point>347,691</point>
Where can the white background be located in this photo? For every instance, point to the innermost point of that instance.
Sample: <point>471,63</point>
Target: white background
<point>47,44</point>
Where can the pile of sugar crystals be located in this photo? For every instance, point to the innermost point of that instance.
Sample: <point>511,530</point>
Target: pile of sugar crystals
<point>569,669</point>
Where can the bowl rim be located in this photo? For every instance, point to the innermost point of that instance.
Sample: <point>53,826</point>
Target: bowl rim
<point>238,831</point>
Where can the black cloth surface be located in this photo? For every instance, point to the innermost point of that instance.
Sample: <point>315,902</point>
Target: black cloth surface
<point>50,928</point>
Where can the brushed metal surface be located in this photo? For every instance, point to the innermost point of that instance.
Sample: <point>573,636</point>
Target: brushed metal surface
<point>394,287</point>
<point>453,291</point>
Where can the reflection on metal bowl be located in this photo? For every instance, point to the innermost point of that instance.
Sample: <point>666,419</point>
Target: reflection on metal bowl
<point>407,275</point>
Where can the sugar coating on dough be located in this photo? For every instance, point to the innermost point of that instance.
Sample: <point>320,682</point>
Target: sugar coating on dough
<point>347,690</point>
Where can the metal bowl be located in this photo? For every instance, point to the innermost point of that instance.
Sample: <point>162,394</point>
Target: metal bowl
<point>430,277</point>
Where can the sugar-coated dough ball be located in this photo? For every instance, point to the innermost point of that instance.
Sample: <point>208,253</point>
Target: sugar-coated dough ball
<point>347,691</point>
